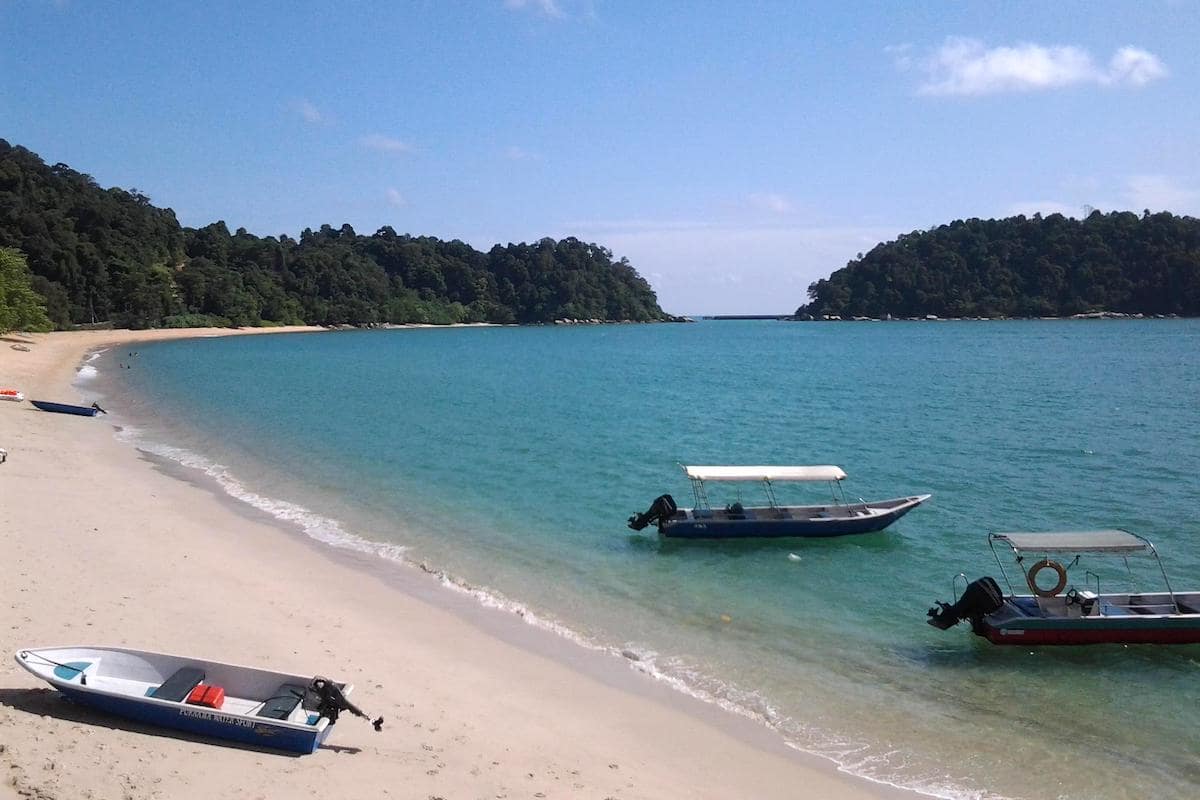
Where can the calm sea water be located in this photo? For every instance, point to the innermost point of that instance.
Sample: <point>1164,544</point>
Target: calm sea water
<point>511,457</point>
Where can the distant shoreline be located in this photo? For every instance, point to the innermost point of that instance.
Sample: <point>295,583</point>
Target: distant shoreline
<point>1090,315</point>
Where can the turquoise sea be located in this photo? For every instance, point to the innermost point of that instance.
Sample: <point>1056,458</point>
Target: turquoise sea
<point>510,458</point>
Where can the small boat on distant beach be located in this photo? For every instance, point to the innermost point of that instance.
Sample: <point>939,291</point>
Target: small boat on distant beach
<point>12,394</point>
<point>735,521</point>
<point>242,704</point>
<point>65,408</point>
<point>1077,615</point>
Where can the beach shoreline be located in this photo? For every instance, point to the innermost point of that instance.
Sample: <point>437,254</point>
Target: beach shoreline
<point>479,703</point>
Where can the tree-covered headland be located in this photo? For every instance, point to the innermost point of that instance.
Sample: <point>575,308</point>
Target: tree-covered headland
<point>108,255</point>
<point>1023,267</point>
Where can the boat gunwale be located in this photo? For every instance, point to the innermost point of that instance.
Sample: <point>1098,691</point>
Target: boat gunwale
<point>900,502</point>
<point>1085,620</point>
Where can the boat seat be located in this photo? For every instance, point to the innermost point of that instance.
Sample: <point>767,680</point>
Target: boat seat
<point>281,704</point>
<point>179,685</point>
<point>1017,605</point>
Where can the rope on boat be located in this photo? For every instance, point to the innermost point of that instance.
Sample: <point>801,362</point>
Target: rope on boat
<point>24,654</point>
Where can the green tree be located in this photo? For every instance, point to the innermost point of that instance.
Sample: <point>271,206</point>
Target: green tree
<point>21,308</point>
<point>1052,266</point>
<point>110,255</point>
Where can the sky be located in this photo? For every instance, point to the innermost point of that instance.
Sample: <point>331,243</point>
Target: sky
<point>733,152</point>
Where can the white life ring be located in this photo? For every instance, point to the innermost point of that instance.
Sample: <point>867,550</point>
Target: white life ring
<point>1053,591</point>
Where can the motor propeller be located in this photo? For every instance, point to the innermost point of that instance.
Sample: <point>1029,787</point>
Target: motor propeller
<point>331,701</point>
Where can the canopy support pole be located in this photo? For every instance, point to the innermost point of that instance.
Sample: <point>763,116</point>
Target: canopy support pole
<point>770,493</point>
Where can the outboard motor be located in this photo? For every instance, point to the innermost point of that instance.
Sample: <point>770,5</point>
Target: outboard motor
<point>979,599</point>
<point>661,510</point>
<point>326,698</point>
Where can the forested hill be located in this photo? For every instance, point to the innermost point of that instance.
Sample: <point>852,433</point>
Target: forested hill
<point>1022,267</point>
<point>109,255</point>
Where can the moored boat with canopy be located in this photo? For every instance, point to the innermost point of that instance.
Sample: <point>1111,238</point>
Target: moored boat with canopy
<point>1063,613</point>
<point>839,517</point>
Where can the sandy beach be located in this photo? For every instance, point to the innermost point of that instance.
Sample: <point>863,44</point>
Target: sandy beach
<point>102,545</point>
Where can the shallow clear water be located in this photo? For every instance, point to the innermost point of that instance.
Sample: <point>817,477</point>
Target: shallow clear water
<point>511,457</point>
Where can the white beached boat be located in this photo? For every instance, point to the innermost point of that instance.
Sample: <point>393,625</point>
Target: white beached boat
<point>12,394</point>
<point>735,521</point>
<point>243,704</point>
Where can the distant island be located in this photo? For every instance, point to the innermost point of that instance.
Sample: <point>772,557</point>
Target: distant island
<point>1050,266</point>
<point>108,256</point>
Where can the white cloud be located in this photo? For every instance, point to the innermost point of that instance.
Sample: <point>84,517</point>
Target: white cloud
<point>771,201</point>
<point>901,54</point>
<point>308,111</point>
<point>635,225</point>
<point>548,7</point>
<point>514,153</point>
<point>395,198</point>
<point>711,268</point>
<point>1135,66</point>
<point>1131,193</point>
<point>1161,193</point>
<point>385,144</point>
<point>965,66</point>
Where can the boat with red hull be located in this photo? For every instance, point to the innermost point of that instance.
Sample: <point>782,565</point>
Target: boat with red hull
<point>1062,613</point>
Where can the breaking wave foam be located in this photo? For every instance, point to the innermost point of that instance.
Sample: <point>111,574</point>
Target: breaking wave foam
<point>314,525</point>
<point>86,369</point>
<point>850,758</point>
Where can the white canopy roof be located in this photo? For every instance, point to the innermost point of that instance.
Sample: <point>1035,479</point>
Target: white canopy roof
<point>815,473</point>
<point>1076,542</point>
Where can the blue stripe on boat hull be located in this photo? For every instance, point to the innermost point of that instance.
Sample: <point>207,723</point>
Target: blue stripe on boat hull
<point>203,721</point>
<point>779,528</point>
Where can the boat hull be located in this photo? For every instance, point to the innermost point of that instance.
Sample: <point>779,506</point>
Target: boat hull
<point>64,408</point>
<point>1146,618</point>
<point>201,721</point>
<point>128,683</point>
<point>756,524</point>
<point>1116,631</point>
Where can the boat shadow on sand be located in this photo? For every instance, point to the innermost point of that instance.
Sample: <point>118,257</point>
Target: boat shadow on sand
<point>49,703</point>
